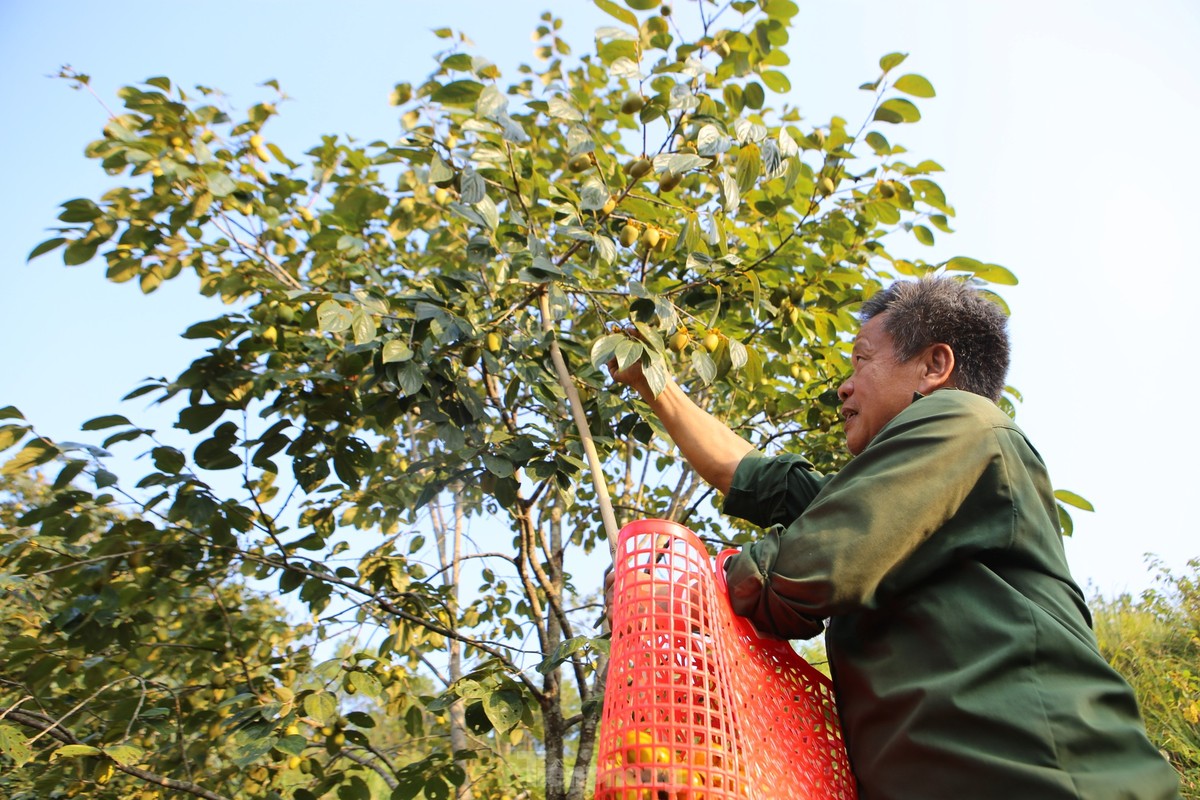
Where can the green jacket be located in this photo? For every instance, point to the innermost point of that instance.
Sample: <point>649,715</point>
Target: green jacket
<point>961,649</point>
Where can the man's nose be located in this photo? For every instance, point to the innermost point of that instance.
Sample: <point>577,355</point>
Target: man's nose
<point>846,389</point>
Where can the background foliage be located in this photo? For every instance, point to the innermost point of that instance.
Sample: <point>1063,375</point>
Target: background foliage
<point>290,603</point>
<point>1154,641</point>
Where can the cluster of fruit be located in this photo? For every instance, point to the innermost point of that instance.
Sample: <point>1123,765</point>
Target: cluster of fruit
<point>647,769</point>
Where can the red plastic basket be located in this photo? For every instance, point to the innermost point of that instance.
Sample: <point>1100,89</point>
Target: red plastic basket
<point>698,705</point>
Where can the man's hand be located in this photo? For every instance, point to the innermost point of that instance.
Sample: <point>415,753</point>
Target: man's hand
<point>633,377</point>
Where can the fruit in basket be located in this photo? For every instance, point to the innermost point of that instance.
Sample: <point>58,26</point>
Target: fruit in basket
<point>639,749</point>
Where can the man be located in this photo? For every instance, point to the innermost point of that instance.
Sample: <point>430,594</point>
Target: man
<point>961,649</point>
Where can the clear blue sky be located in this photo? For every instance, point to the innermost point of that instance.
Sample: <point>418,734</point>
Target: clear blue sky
<point>1064,128</point>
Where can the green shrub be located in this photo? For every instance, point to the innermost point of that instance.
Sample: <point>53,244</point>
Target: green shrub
<point>1154,641</point>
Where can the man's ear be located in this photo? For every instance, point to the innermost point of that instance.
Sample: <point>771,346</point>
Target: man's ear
<point>938,368</point>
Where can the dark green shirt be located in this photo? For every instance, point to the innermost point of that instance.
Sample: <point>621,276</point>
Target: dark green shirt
<point>961,648</point>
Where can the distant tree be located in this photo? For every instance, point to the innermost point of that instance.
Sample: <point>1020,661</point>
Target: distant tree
<point>413,337</point>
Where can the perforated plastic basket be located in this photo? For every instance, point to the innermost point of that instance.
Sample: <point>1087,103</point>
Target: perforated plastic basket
<point>697,705</point>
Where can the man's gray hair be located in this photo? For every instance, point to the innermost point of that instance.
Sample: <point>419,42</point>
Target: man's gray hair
<point>946,310</point>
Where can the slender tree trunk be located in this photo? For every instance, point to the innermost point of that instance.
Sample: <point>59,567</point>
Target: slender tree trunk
<point>552,687</point>
<point>449,540</point>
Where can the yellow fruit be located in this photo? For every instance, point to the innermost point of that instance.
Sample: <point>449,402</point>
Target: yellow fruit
<point>640,168</point>
<point>629,235</point>
<point>818,136</point>
<point>609,206</point>
<point>886,190</point>
<point>292,730</point>
<point>826,186</point>
<point>651,237</point>
<point>351,688</point>
<point>493,342</point>
<point>800,373</point>
<point>260,148</point>
<point>679,340</point>
<point>633,104</point>
<point>103,772</point>
<point>579,163</point>
<point>441,196</point>
<point>712,340</point>
<point>669,181</point>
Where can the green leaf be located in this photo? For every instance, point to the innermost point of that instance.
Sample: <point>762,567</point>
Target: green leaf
<point>1065,523</point>
<point>321,706</point>
<point>45,247</point>
<point>220,184</point>
<point>605,348</point>
<point>704,365</point>
<point>776,81</point>
<point>194,419</point>
<point>79,252</point>
<point>108,421</point>
<point>12,744</point>
<point>216,453</point>
<point>363,325</point>
<point>11,434</point>
<point>994,273</point>
<point>503,707</point>
<point>33,454</point>
<point>642,5</point>
<point>74,751</point>
<point>333,317</point>
<point>891,61</point>
<point>897,110</point>
<point>366,683</point>
<point>396,350</point>
<point>923,234</point>
<point>458,93</point>
<point>1072,499</point>
<point>292,745</point>
<point>11,412</point>
<point>68,473</point>
<point>753,95</point>
<point>124,754</point>
<point>916,85</point>
<point>616,12</point>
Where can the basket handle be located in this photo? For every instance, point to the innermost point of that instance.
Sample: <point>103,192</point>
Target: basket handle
<point>719,567</point>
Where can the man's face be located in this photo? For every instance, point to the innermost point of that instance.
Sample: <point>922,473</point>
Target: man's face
<point>879,388</point>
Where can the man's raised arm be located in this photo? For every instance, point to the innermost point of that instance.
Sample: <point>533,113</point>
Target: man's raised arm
<point>709,446</point>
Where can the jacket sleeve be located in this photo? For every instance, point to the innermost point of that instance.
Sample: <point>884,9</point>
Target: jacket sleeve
<point>873,529</point>
<point>773,490</point>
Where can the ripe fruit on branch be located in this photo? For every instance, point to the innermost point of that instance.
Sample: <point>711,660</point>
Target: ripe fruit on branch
<point>826,186</point>
<point>633,104</point>
<point>629,235</point>
<point>651,237</point>
<point>712,340</point>
<point>493,342</point>
<point>679,340</point>
<point>579,163</point>
<point>640,168</point>
<point>669,181</point>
